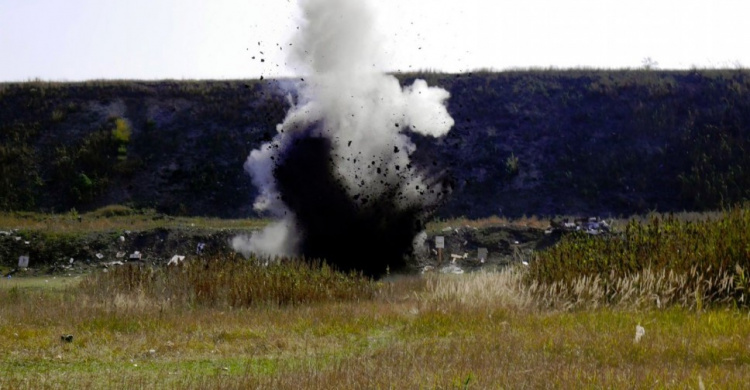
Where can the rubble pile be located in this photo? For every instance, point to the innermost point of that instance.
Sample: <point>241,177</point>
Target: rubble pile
<point>592,225</point>
<point>50,253</point>
<point>469,248</point>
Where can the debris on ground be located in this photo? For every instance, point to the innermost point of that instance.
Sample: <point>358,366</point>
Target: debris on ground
<point>176,260</point>
<point>452,269</point>
<point>590,225</point>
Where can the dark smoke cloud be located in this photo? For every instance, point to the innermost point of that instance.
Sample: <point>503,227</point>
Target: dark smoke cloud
<point>338,176</point>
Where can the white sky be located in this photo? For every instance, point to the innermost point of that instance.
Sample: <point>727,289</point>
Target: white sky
<point>70,40</point>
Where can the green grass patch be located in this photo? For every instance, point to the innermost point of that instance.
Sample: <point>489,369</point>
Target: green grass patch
<point>116,218</point>
<point>22,283</point>
<point>408,335</point>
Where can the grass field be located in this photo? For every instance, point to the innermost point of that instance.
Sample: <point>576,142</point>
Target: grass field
<point>227,322</point>
<point>116,218</point>
<point>37,283</point>
<point>461,331</point>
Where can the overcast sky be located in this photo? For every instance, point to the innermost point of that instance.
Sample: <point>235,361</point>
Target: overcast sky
<point>70,40</point>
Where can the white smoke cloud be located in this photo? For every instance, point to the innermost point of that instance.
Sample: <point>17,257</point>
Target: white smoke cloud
<point>277,239</point>
<point>364,113</point>
<point>337,37</point>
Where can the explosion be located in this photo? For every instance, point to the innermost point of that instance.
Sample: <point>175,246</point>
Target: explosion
<point>337,175</point>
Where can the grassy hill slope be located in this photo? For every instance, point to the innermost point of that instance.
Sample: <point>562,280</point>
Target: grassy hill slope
<point>525,142</point>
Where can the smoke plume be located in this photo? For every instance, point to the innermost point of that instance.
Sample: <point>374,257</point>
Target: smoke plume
<point>337,175</point>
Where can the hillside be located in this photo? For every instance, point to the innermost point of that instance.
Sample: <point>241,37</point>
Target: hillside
<point>524,143</point>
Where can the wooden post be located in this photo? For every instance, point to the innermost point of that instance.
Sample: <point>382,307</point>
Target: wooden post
<point>482,255</point>
<point>440,244</point>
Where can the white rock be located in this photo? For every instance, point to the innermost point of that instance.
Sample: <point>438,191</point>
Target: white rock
<point>99,256</point>
<point>639,332</point>
<point>452,269</point>
<point>176,260</point>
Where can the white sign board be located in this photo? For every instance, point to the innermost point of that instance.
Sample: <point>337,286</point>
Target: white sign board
<point>439,242</point>
<point>23,262</point>
<point>482,253</point>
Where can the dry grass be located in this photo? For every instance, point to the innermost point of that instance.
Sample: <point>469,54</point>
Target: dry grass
<point>483,330</point>
<point>229,282</point>
<point>114,218</point>
<point>707,258</point>
<point>644,290</point>
<point>532,222</point>
<point>505,288</point>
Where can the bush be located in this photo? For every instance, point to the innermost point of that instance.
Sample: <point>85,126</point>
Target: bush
<point>122,131</point>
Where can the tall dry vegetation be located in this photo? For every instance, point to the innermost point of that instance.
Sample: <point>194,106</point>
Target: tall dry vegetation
<point>667,260</point>
<point>664,262</point>
<point>232,282</point>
